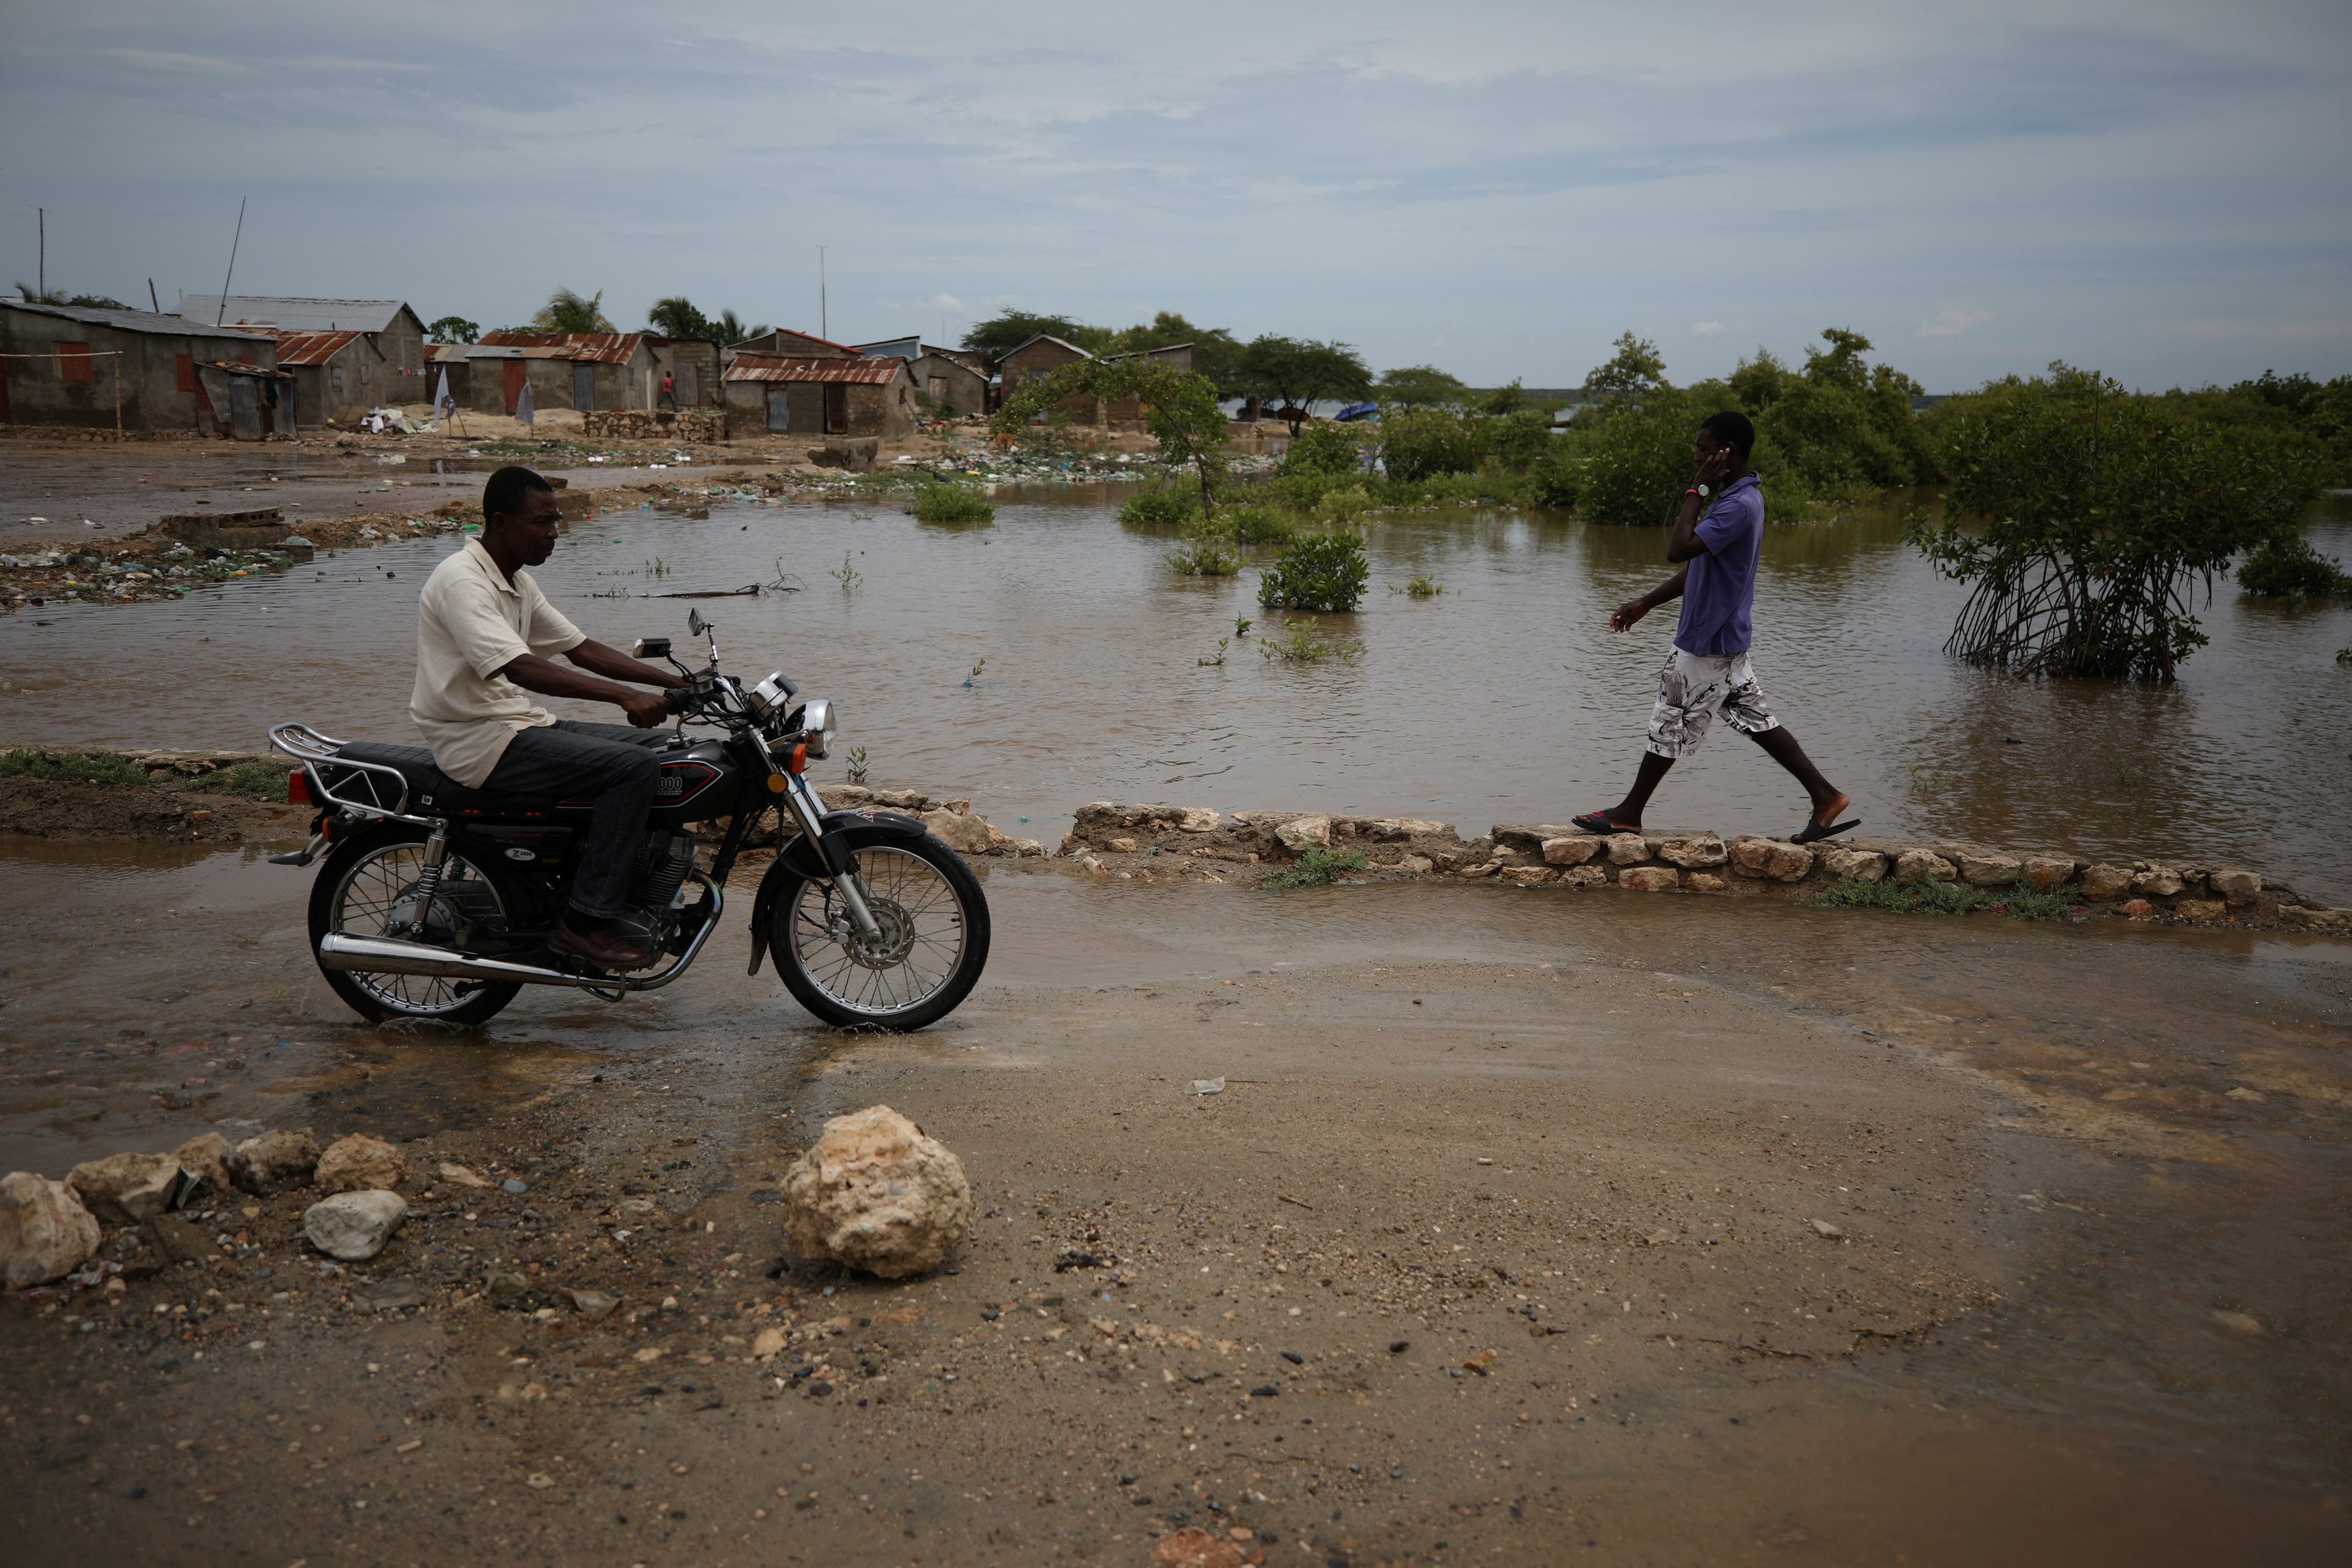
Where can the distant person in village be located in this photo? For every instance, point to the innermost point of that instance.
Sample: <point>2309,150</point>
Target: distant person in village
<point>1718,534</point>
<point>485,635</point>
<point>669,389</point>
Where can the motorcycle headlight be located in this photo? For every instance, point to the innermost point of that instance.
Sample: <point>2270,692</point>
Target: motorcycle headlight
<point>818,721</point>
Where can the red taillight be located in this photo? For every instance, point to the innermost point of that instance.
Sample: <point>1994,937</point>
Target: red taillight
<point>298,788</point>
<point>798,762</point>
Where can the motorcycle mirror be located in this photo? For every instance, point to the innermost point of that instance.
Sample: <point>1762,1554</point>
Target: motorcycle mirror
<point>651,648</point>
<point>695,624</point>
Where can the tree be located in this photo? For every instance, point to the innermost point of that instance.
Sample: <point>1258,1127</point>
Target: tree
<point>1640,462</point>
<point>567,311</point>
<point>1216,353</point>
<point>1636,372</point>
<point>1300,373</point>
<point>1423,443</point>
<point>1418,386</point>
<point>1503,400</point>
<point>71,301</point>
<point>729,329</point>
<point>1179,407</point>
<point>455,330</point>
<point>2087,519</point>
<point>1008,329</point>
<point>676,316</point>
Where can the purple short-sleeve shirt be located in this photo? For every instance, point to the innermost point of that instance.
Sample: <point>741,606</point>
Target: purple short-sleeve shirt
<point>1721,587</point>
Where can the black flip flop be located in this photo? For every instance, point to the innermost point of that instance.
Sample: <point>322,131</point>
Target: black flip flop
<point>1813,831</point>
<point>1599,823</point>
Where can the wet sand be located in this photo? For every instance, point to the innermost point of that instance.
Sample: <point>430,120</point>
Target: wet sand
<point>2083,1304</point>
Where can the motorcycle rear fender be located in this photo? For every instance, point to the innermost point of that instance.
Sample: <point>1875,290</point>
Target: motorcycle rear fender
<point>847,832</point>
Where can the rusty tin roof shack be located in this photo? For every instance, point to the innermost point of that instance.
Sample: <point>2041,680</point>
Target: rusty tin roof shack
<point>337,376</point>
<point>810,396</point>
<point>583,371</point>
<point>66,360</point>
<point>395,328</point>
<point>800,345</point>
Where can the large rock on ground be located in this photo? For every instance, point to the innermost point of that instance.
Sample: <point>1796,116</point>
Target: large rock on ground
<point>1772,858</point>
<point>1303,833</point>
<point>1913,866</point>
<point>2044,873</point>
<point>1853,865</point>
<point>123,1190</point>
<point>874,1193</point>
<point>1627,849</point>
<point>206,1154</point>
<point>1574,849</point>
<point>355,1226</point>
<point>959,831</point>
<point>1692,852</point>
<point>2237,887</point>
<point>2105,883</point>
<point>361,1163</point>
<point>1988,870</point>
<point>273,1161</point>
<point>1648,878</point>
<point>44,1232</point>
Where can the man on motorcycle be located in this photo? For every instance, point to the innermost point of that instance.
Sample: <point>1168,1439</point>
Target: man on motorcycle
<point>485,636</point>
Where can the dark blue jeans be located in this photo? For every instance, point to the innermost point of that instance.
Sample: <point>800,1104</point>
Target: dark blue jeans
<point>613,764</point>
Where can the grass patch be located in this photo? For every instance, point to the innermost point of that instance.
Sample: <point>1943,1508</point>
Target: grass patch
<point>1161,509</point>
<point>2027,905</point>
<point>1422,586</point>
<point>74,768</point>
<point>1944,898</point>
<point>951,503</point>
<point>1302,643</point>
<point>250,779</point>
<point>1318,867</point>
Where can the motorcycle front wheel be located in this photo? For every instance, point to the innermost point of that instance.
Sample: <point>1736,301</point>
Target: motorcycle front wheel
<point>364,881</point>
<point>932,945</point>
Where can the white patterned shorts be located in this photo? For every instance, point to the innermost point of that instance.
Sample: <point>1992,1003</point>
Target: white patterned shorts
<point>1693,688</point>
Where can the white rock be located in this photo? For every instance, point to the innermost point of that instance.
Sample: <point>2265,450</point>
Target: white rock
<point>1197,820</point>
<point>1303,833</point>
<point>361,1163</point>
<point>355,1226</point>
<point>123,1190</point>
<point>876,1193</point>
<point>959,831</point>
<point>44,1232</point>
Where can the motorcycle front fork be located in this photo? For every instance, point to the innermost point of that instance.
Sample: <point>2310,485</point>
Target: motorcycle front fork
<point>809,812</point>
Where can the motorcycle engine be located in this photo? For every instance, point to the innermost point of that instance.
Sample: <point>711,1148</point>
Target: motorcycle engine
<point>663,860</point>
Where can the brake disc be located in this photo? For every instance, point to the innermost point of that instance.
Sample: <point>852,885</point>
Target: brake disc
<point>889,948</point>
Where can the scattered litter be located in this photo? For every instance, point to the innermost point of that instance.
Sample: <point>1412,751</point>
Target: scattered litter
<point>1208,1086</point>
<point>1824,1227</point>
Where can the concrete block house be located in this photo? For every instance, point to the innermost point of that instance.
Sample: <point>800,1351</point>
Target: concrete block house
<point>820,396</point>
<point>391,327</point>
<point>65,361</point>
<point>583,371</point>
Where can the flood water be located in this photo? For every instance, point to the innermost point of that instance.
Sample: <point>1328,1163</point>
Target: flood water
<point>1505,698</point>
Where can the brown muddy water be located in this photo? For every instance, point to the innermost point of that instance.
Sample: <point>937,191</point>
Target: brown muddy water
<point>1506,698</point>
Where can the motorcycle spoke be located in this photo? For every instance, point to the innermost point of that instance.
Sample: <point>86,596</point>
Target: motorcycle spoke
<point>921,912</point>
<point>365,904</point>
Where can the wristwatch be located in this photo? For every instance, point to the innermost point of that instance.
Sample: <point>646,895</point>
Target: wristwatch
<point>1701,491</point>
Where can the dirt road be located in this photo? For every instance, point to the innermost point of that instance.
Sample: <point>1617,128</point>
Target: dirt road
<point>1506,1241</point>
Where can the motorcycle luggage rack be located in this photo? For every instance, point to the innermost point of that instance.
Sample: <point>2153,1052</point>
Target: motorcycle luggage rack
<point>316,751</point>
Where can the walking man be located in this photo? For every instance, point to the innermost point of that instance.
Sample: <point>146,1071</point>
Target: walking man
<point>1718,534</point>
<point>669,390</point>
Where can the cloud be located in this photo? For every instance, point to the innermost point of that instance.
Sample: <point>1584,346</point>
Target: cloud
<point>1951,322</point>
<point>942,300</point>
<point>1715,329</point>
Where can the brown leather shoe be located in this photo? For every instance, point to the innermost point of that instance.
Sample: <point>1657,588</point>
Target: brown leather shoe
<point>605,948</point>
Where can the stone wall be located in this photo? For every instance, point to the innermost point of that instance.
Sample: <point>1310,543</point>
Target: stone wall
<point>702,424</point>
<point>1677,859</point>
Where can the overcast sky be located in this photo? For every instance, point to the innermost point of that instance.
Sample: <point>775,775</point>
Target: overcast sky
<point>2158,190</point>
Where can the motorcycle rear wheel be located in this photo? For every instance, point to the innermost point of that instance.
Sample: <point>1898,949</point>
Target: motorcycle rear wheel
<point>933,947</point>
<point>356,889</point>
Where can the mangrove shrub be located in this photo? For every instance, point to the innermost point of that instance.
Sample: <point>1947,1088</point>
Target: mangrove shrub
<point>1423,443</point>
<point>952,503</point>
<point>1324,447</point>
<point>2087,519</point>
<point>1323,572</point>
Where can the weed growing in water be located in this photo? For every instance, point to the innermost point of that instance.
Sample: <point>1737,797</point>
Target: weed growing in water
<point>1219,657</point>
<point>857,765</point>
<point>946,502</point>
<point>1322,573</point>
<point>1344,506</point>
<point>1303,642</point>
<point>1422,586</point>
<point>1257,526</point>
<point>973,679</point>
<point>1242,624</point>
<point>1160,507</point>
<point>1206,558</point>
<point>849,577</point>
<point>1318,867</point>
<point>2124,769</point>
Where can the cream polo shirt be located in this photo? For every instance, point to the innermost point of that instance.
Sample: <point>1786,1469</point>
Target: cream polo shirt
<point>471,622</point>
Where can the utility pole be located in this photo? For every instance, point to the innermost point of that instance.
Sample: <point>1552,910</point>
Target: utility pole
<point>41,270</point>
<point>232,262</point>
<point>152,299</point>
<point>824,322</point>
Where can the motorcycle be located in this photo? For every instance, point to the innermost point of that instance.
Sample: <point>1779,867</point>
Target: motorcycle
<point>436,901</point>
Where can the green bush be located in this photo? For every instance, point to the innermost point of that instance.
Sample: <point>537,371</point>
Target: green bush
<point>951,503</point>
<point>1322,573</point>
<point>1641,460</point>
<point>1318,867</point>
<point>1325,448</point>
<point>1344,506</point>
<point>1557,478</point>
<point>76,767</point>
<point>1423,443</point>
<point>1520,439</point>
<point>1207,557</point>
<point>2290,569</point>
<point>1160,509</point>
<point>1257,526</point>
<point>1303,491</point>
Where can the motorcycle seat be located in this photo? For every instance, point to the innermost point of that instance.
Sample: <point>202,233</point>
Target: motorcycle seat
<point>431,792</point>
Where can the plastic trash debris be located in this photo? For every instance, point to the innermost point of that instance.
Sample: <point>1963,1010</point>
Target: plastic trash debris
<point>385,1294</point>
<point>1208,1086</point>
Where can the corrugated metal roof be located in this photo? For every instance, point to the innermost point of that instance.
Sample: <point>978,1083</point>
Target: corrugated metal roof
<point>592,348</point>
<point>803,337</point>
<point>135,321</point>
<point>781,367</point>
<point>1044,338</point>
<point>293,314</point>
<point>313,348</point>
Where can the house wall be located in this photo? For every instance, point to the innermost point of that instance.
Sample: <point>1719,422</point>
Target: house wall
<point>461,381</point>
<point>696,365</point>
<point>887,411</point>
<point>1043,358</point>
<point>151,395</point>
<point>317,400</point>
<point>401,342</point>
<point>966,389</point>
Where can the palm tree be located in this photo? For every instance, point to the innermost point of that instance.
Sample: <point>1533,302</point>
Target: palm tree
<point>729,329</point>
<point>676,316</point>
<point>567,311</point>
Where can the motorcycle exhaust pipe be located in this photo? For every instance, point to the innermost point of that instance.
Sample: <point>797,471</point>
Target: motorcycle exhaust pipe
<point>391,956</point>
